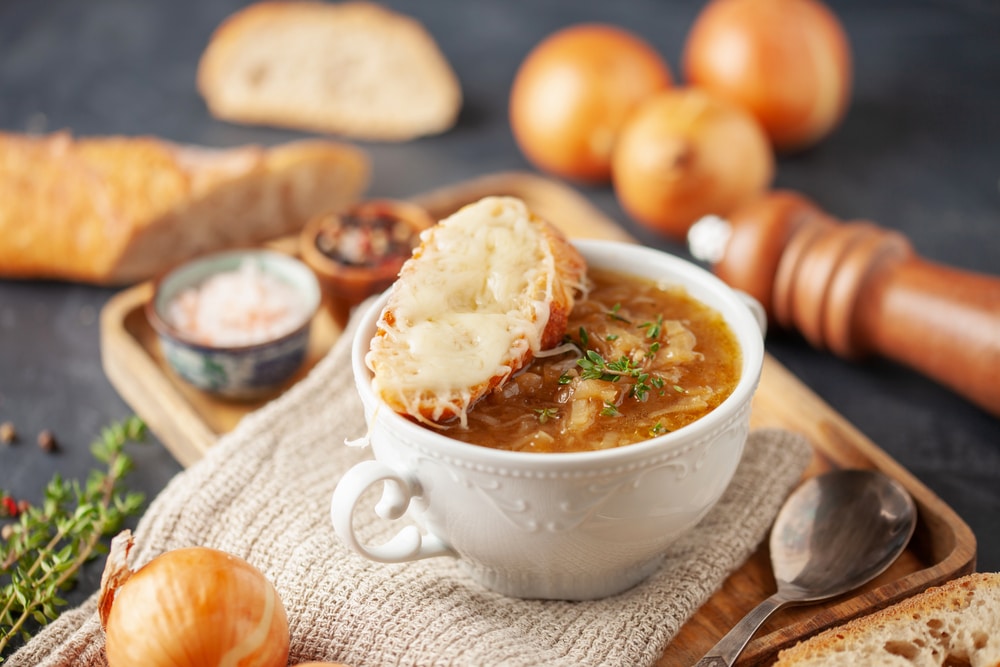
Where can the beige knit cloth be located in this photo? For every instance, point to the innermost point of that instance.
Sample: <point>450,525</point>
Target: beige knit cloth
<point>263,492</point>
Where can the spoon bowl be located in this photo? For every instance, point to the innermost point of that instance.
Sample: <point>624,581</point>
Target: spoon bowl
<point>814,560</point>
<point>835,533</point>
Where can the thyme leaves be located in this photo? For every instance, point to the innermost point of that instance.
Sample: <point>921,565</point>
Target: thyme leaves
<point>42,552</point>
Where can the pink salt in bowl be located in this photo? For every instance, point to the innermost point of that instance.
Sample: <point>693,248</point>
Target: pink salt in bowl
<point>235,324</point>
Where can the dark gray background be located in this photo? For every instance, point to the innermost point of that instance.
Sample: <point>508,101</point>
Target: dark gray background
<point>919,151</point>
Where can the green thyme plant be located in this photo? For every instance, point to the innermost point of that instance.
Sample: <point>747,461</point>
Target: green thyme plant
<point>43,546</point>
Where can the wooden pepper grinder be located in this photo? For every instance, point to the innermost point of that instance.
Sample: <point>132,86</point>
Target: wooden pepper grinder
<point>857,289</point>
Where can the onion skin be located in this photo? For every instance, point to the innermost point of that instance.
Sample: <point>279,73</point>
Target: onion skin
<point>787,61</point>
<point>194,607</point>
<point>572,93</point>
<point>684,154</point>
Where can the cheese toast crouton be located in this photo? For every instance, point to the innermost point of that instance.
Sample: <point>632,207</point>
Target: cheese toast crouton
<point>487,289</point>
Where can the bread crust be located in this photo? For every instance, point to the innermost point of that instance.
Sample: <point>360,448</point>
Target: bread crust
<point>559,283</point>
<point>955,623</point>
<point>354,69</point>
<point>116,210</point>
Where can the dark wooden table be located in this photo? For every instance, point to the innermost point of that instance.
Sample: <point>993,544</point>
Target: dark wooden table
<point>919,152</point>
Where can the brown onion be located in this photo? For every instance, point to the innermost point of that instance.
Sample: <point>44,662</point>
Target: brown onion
<point>684,154</point>
<point>787,61</point>
<point>574,90</point>
<point>190,607</point>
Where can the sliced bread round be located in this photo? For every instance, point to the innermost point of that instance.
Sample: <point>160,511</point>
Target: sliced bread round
<point>957,623</point>
<point>354,69</point>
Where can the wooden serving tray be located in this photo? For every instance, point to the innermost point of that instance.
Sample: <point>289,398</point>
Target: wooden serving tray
<point>943,547</point>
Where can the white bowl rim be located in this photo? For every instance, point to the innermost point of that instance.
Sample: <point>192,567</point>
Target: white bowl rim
<point>752,351</point>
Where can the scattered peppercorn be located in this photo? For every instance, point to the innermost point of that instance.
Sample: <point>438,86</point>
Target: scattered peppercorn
<point>8,433</point>
<point>47,441</point>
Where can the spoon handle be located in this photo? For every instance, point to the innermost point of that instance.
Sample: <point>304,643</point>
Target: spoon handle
<point>724,653</point>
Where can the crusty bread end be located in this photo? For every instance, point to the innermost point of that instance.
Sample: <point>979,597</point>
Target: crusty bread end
<point>117,210</point>
<point>955,624</point>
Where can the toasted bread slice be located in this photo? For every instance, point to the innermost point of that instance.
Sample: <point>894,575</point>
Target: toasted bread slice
<point>354,69</point>
<point>957,623</point>
<point>116,210</point>
<point>487,289</point>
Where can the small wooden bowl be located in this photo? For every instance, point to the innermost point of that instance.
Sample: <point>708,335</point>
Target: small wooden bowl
<point>358,252</point>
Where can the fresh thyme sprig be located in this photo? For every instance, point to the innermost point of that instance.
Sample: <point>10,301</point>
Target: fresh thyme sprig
<point>42,552</point>
<point>545,414</point>
<point>594,366</point>
<point>613,314</point>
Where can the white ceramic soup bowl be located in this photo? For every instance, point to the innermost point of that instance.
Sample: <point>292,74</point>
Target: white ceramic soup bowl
<point>571,526</point>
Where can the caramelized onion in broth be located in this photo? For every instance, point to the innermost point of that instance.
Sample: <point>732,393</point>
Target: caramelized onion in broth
<point>642,360</point>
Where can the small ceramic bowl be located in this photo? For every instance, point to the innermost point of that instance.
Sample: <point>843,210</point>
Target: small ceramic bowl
<point>358,252</point>
<point>251,367</point>
<point>573,526</point>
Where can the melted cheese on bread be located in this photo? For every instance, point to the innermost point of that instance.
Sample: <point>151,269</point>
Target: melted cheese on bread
<point>487,289</point>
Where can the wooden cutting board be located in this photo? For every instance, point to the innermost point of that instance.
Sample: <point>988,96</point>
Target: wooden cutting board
<point>187,422</point>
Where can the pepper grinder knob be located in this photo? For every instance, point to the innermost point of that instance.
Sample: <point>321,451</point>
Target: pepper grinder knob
<point>857,289</point>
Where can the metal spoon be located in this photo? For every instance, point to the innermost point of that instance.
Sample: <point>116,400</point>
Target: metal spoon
<point>836,532</point>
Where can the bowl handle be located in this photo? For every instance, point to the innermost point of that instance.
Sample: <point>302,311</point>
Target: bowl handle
<point>406,545</point>
<point>756,308</point>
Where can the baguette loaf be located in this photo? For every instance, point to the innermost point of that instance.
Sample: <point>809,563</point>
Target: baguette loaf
<point>354,69</point>
<point>116,210</point>
<point>951,625</point>
<point>486,290</point>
